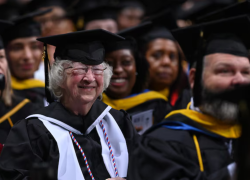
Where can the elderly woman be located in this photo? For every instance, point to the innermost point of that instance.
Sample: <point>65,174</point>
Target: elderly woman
<point>79,136</point>
<point>12,107</point>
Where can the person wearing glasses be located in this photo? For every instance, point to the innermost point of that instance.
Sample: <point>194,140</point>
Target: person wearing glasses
<point>77,135</point>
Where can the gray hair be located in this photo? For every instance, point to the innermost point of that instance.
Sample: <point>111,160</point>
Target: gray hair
<point>57,76</point>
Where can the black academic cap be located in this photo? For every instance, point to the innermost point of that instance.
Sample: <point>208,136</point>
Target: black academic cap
<point>3,26</point>
<point>200,8</point>
<point>100,12</point>
<point>81,46</point>
<point>150,30</point>
<point>24,26</point>
<point>230,36</point>
<point>130,4</point>
<point>235,9</point>
<point>155,6</point>
<point>128,43</point>
<point>37,4</point>
<point>9,10</point>
<point>163,18</point>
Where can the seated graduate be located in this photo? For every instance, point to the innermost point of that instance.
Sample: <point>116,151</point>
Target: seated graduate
<point>130,14</point>
<point>24,55</point>
<point>197,143</point>
<point>99,15</point>
<point>158,47</point>
<point>12,107</point>
<point>79,136</point>
<point>127,89</point>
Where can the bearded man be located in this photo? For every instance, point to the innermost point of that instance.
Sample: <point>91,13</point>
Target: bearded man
<point>197,143</point>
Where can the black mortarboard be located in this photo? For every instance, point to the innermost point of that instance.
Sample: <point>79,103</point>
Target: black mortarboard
<point>128,43</point>
<point>200,8</point>
<point>37,4</point>
<point>156,6</point>
<point>100,12</point>
<point>9,10</point>
<point>131,4</point>
<point>81,46</point>
<point>3,26</point>
<point>157,26</point>
<point>230,36</point>
<point>24,26</point>
<point>229,11</point>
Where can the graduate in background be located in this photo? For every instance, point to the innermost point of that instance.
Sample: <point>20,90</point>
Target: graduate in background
<point>24,55</point>
<point>158,47</point>
<point>78,135</point>
<point>58,21</point>
<point>130,14</point>
<point>198,142</point>
<point>128,86</point>
<point>12,107</point>
<point>100,16</point>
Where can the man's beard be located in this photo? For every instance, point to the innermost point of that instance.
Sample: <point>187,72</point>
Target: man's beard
<point>219,109</point>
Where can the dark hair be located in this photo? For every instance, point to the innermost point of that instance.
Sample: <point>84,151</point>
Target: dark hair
<point>181,81</point>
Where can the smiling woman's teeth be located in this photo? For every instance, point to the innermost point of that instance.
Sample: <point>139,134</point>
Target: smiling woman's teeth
<point>118,80</point>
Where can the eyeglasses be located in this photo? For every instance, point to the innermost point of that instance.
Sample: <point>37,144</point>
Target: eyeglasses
<point>83,70</point>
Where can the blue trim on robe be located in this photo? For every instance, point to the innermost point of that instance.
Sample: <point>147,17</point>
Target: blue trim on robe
<point>132,95</point>
<point>176,125</point>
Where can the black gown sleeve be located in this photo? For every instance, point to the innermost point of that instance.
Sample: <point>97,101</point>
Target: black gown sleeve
<point>28,142</point>
<point>153,158</point>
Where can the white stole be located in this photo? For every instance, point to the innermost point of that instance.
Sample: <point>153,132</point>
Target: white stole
<point>69,167</point>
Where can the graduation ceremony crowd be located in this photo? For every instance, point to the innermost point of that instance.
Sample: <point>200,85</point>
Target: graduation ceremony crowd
<point>124,89</point>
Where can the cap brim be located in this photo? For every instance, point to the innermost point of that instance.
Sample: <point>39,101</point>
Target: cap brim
<point>188,37</point>
<point>81,37</point>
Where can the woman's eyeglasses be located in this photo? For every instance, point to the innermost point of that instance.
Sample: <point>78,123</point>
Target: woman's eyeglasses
<point>84,70</point>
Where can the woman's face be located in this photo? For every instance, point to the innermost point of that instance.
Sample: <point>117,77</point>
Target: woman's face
<point>162,56</point>
<point>82,88</point>
<point>3,63</point>
<point>24,56</point>
<point>124,73</point>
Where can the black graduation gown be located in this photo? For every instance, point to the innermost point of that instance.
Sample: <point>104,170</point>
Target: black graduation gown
<point>29,141</point>
<point>19,109</point>
<point>35,95</point>
<point>140,103</point>
<point>31,89</point>
<point>170,154</point>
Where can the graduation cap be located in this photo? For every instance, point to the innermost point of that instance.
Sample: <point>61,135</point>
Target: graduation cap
<point>229,11</point>
<point>3,26</point>
<point>130,4</point>
<point>81,46</point>
<point>24,26</point>
<point>156,6</point>
<point>37,4</point>
<point>200,8</point>
<point>157,26</point>
<point>230,36</point>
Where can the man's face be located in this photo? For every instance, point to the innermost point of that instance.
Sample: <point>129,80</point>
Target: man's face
<point>225,71</point>
<point>54,22</point>
<point>129,17</point>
